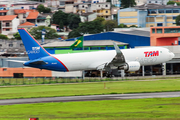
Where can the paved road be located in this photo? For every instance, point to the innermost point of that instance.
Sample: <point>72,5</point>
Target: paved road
<point>90,98</point>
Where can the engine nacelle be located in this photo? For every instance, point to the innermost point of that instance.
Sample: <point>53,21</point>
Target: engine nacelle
<point>131,66</point>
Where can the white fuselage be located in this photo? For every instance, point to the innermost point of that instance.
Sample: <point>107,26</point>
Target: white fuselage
<point>91,60</point>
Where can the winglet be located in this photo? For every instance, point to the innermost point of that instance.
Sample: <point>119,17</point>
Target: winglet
<point>117,48</point>
<point>119,58</point>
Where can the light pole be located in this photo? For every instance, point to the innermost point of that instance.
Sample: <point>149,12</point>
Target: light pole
<point>43,33</point>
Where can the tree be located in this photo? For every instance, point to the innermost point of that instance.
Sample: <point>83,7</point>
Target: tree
<point>73,21</point>
<point>110,24</point>
<point>171,3</point>
<point>43,9</point>
<point>3,37</point>
<point>122,25</point>
<point>133,26</point>
<point>74,33</point>
<point>92,27</point>
<point>178,20</point>
<point>17,36</point>
<point>50,33</point>
<point>47,10</point>
<point>70,20</point>
<point>128,3</point>
<point>60,16</point>
<point>101,19</point>
<point>61,26</point>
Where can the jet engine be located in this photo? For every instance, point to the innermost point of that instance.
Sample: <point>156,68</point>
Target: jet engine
<point>131,66</point>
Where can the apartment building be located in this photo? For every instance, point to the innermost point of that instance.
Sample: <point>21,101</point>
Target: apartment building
<point>9,24</point>
<point>101,9</point>
<point>32,16</point>
<point>149,15</point>
<point>61,3</point>
<point>20,18</point>
<point>21,14</point>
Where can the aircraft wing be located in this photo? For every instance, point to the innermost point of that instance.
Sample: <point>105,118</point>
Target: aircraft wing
<point>40,62</point>
<point>17,61</point>
<point>118,60</point>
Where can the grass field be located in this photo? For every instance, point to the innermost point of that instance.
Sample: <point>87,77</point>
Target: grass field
<point>157,108</point>
<point>72,89</point>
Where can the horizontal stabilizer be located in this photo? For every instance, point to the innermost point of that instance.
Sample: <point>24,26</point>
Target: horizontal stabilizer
<point>17,61</point>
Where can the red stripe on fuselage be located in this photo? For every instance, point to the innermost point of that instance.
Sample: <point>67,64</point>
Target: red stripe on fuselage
<point>44,49</point>
<point>61,63</point>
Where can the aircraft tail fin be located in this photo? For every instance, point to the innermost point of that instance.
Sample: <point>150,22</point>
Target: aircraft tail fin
<point>33,48</point>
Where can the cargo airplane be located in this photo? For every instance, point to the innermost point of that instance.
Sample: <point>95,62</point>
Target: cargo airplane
<point>126,59</point>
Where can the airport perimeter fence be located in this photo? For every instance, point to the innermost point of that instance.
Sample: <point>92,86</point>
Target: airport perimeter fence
<point>31,81</point>
<point>53,80</point>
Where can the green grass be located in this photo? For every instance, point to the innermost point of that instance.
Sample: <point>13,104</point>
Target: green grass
<point>32,91</point>
<point>157,108</point>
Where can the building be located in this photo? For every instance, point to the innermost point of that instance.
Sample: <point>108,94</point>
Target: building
<point>134,37</point>
<point>102,9</point>
<point>26,5</point>
<point>20,11</point>
<point>116,3</point>
<point>114,11</point>
<point>32,16</point>
<point>54,3</point>
<point>11,19</point>
<point>88,16</point>
<point>26,25</point>
<point>165,36</point>
<point>9,24</point>
<point>140,2</point>
<point>3,12</point>
<point>149,15</point>
<point>162,2</point>
<point>22,14</point>
<point>23,72</point>
<point>18,4</point>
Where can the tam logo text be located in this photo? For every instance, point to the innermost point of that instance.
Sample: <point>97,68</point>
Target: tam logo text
<point>151,53</point>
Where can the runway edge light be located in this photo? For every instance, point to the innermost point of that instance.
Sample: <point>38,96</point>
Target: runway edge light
<point>33,118</point>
